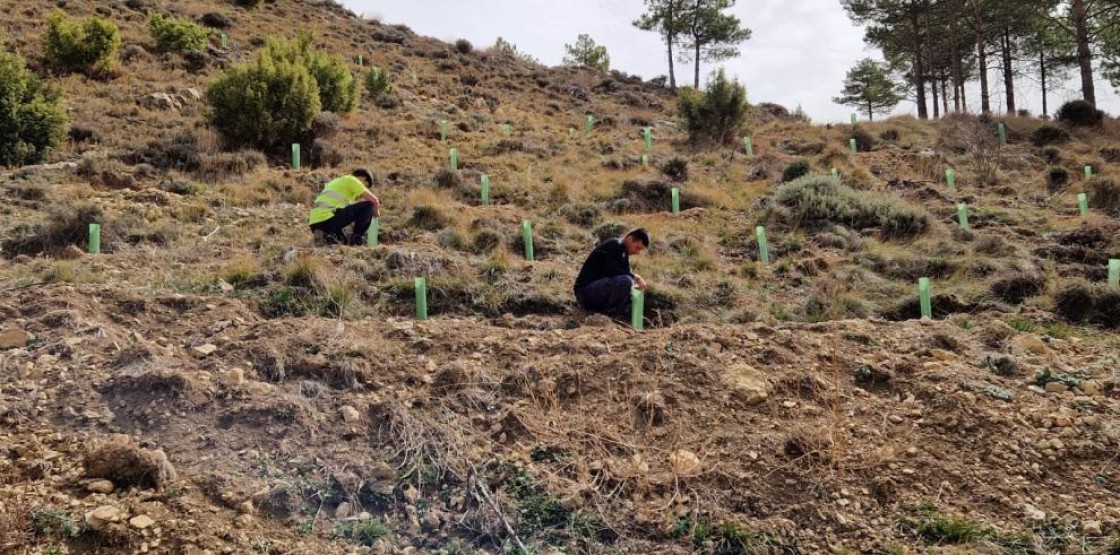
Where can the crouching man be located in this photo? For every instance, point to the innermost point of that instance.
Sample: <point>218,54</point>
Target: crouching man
<point>345,202</point>
<point>605,282</point>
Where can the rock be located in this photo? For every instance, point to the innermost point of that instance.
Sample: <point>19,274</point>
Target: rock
<point>350,415</point>
<point>233,377</point>
<point>1028,344</point>
<point>343,510</point>
<point>141,522</point>
<point>942,354</point>
<point>100,517</point>
<point>126,464</point>
<point>1063,421</point>
<point>243,521</point>
<point>1033,513</point>
<point>160,101</point>
<point>1091,388</point>
<point>684,463</point>
<point>14,338</point>
<point>246,508</point>
<point>100,486</point>
<point>1056,387</point>
<point>747,384</point>
<point>193,94</point>
<point>411,494</point>
<point>1092,528</point>
<point>204,350</point>
<point>71,252</point>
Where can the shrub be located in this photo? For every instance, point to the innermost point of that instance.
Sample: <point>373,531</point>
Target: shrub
<point>486,241</point>
<point>251,4</point>
<point>717,115</point>
<point>1018,288</point>
<point>1053,155</point>
<point>215,20</point>
<point>890,135</point>
<point>1079,113</point>
<point>175,34</point>
<point>1104,195</point>
<point>31,121</point>
<point>377,83</point>
<point>464,46</point>
<point>89,47</point>
<point>268,102</point>
<point>1082,302</point>
<point>1049,135</point>
<point>795,170</point>
<point>608,230</point>
<point>864,141</point>
<point>1057,178</point>
<point>821,201</point>
<point>676,169</point>
<point>429,218</point>
<point>338,90</point>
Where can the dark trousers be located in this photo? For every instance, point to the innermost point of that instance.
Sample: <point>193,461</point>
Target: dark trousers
<point>610,296</point>
<point>360,214</point>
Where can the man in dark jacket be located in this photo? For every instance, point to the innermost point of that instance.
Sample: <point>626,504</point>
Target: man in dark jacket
<point>605,281</point>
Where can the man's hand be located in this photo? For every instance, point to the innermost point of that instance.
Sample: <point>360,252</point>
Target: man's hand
<point>371,198</point>
<point>641,282</point>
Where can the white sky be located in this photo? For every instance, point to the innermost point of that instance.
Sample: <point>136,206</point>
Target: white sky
<point>799,54</point>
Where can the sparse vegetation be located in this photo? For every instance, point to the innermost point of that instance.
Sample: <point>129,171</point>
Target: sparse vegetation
<point>821,201</point>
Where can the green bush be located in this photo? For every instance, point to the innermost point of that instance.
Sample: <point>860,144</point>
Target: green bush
<point>1104,195</point>
<point>822,201</point>
<point>264,103</point>
<point>377,82</point>
<point>1057,178</point>
<point>89,47</point>
<point>175,34</point>
<point>1049,135</point>
<point>1079,113</point>
<point>795,170</point>
<point>716,116</point>
<point>31,121</point>
<point>338,90</point>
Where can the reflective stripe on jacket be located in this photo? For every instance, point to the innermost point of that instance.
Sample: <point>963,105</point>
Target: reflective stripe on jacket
<point>339,193</point>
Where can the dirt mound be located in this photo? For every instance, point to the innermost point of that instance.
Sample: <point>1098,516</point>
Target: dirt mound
<point>120,460</point>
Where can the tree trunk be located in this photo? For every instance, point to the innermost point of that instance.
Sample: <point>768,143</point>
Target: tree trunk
<point>936,103</point>
<point>1008,72</point>
<point>1084,54</point>
<point>1042,71</point>
<point>870,112</point>
<point>697,81</point>
<point>982,53</point>
<point>945,95</point>
<point>955,45</point>
<point>919,69</point>
<point>672,73</point>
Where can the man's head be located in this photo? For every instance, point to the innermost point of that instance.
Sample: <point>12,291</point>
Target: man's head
<point>636,241</point>
<point>364,175</point>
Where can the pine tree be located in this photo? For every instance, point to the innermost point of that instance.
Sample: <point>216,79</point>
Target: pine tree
<point>869,87</point>
<point>711,35</point>
<point>586,53</point>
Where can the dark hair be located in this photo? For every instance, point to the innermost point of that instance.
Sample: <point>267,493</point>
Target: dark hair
<point>640,234</point>
<point>362,173</point>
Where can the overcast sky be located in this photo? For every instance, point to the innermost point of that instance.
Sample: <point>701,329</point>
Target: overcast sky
<point>799,54</point>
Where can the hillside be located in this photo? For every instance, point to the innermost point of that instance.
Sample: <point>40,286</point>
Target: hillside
<point>277,397</point>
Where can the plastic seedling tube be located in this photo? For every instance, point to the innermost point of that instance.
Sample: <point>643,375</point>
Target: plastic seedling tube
<point>835,173</point>
<point>962,215</point>
<point>295,156</point>
<point>647,134</point>
<point>507,128</point>
<point>421,298</point>
<point>1088,172</point>
<point>637,309</point>
<point>453,157</point>
<point>748,146</point>
<point>1114,273</point>
<point>94,238</point>
<point>676,200</point>
<point>371,235</point>
<point>951,178</point>
<point>485,190</point>
<point>225,40</point>
<point>854,120</point>
<point>852,144</point>
<point>590,125</point>
<point>361,61</point>
<point>923,296</point>
<point>1083,204</point>
<point>527,234</point>
<point>763,245</point>
<point>1002,134</point>
<point>443,130</point>
<point>645,160</point>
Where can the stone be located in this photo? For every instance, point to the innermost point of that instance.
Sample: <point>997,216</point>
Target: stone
<point>102,516</point>
<point>141,522</point>
<point>343,510</point>
<point>205,350</point>
<point>1033,513</point>
<point>1092,528</point>
<point>71,252</point>
<point>1028,344</point>
<point>350,415</point>
<point>684,462</point>
<point>193,94</point>
<point>411,494</point>
<point>942,354</point>
<point>1091,388</point>
<point>14,338</point>
<point>100,486</point>
<point>1063,421</point>
<point>747,384</point>
<point>243,521</point>
<point>1056,387</point>
<point>160,101</point>
<point>233,377</point>
<point>246,508</point>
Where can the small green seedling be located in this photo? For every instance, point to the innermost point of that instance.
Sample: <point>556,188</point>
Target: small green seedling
<point>763,245</point>
<point>645,160</point>
<point>647,134</point>
<point>485,189</point>
<point>1083,204</point>
<point>924,298</point>
<point>589,126</point>
<point>1088,172</point>
<point>95,238</point>
<point>835,173</point>
<point>951,178</point>
<point>421,285</point>
<point>442,128</point>
<point>1002,134</point>
<point>637,308</point>
<point>676,192</point>
<point>371,235</point>
<point>748,146</point>
<point>962,215</point>
<point>453,158</point>
<point>1114,273</point>
<point>295,156</point>
<point>852,144</point>
<point>527,235</point>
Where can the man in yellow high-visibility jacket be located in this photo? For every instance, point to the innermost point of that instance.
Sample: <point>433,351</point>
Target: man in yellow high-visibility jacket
<point>345,201</point>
